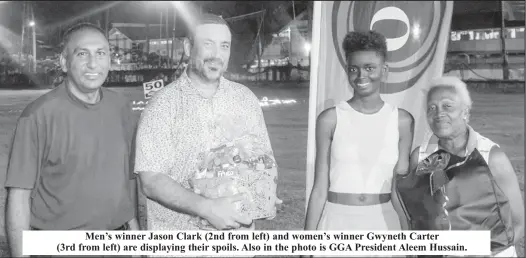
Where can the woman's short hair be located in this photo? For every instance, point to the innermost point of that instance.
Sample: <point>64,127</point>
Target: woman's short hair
<point>456,83</point>
<point>365,41</point>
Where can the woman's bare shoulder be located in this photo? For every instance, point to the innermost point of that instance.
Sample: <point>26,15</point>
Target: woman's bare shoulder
<point>327,117</point>
<point>405,118</point>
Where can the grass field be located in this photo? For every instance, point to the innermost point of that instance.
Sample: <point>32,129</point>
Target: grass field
<point>500,117</point>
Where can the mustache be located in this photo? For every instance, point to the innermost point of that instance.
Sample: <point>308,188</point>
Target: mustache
<point>213,60</point>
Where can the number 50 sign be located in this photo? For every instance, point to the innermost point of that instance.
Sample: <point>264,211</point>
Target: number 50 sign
<point>151,87</point>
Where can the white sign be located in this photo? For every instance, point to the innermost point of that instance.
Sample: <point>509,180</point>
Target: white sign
<point>151,87</point>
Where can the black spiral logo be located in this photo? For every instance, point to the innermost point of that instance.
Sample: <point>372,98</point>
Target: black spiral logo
<point>412,30</point>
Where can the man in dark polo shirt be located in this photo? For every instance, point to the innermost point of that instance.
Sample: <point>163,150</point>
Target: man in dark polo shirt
<point>69,166</point>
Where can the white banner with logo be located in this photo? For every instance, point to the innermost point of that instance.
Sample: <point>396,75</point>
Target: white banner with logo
<point>417,35</point>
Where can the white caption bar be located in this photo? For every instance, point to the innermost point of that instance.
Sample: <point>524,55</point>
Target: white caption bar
<point>223,243</point>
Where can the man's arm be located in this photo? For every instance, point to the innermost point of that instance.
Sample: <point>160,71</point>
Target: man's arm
<point>406,128</point>
<point>17,218</point>
<point>154,160</point>
<point>132,133</point>
<point>220,212</point>
<point>22,172</point>
<point>260,129</point>
<point>505,176</point>
<point>134,223</point>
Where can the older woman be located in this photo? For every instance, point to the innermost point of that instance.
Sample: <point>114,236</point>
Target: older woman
<point>459,179</point>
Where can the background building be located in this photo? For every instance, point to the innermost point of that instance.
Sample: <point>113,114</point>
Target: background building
<point>474,49</point>
<point>131,42</point>
<point>294,36</point>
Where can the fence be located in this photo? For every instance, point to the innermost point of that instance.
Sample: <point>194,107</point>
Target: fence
<point>137,77</point>
<point>115,78</point>
<point>273,73</point>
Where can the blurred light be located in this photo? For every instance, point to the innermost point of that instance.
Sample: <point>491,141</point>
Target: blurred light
<point>31,23</point>
<point>307,47</point>
<point>416,31</point>
<point>188,11</point>
<point>265,102</point>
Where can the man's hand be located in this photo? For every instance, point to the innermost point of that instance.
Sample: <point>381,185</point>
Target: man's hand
<point>222,213</point>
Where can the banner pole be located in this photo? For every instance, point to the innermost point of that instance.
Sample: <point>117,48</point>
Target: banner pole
<point>313,96</point>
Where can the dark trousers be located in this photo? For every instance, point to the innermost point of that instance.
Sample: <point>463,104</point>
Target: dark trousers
<point>124,227</point>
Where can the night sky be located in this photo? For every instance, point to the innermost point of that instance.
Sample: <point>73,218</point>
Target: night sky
<point>50,14</point>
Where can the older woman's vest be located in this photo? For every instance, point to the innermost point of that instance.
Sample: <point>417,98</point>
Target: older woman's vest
<point>476,201</point>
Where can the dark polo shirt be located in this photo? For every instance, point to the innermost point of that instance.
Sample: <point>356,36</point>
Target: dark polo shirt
<point>76,159</point>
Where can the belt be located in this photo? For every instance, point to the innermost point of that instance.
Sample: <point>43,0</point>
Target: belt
<point>356,199</point>
<point>123,227</point>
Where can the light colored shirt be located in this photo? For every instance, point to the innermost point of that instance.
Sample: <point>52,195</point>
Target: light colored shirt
<point>363,157</point>
<point>179,123</point>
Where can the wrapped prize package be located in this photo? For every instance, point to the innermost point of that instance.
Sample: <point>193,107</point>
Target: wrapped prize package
<point>239,166</point>
<point>448,192</point>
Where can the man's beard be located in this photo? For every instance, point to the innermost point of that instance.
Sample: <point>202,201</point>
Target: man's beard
<point>201,69</point>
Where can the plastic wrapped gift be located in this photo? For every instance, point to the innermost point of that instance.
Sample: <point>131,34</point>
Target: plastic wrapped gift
<point>238,167</point>
<point>423,195</point>
<point>448,192</point>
